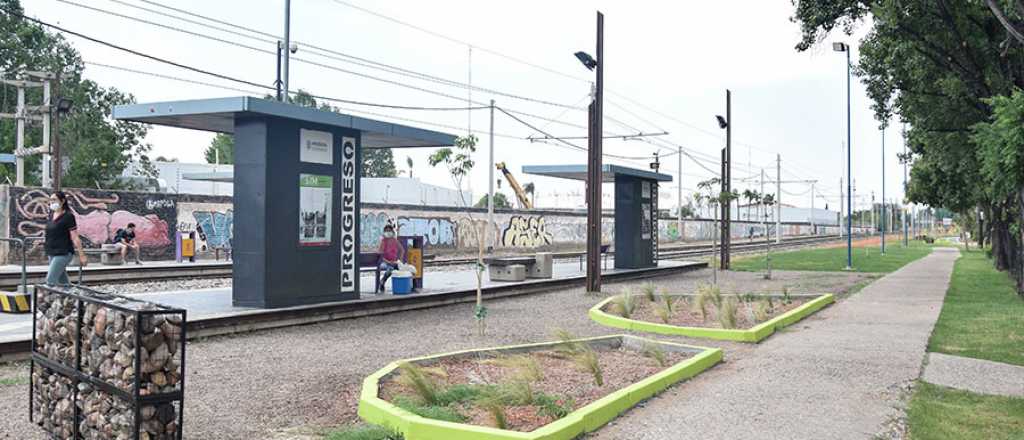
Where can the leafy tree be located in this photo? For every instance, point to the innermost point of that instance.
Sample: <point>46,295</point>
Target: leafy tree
<point>500,201</point>
<point>408,161</point>
<point>97,148</point>
<point>221,149</point>
<point>459,162</point>
<point>167,159</point>
<point>939,65</point>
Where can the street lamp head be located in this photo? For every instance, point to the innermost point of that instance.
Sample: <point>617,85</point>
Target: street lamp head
<point>293,48</point>
<point>588,61</point>
<point>840,47</point>
<point>64,105</point>
<point>722,123</point>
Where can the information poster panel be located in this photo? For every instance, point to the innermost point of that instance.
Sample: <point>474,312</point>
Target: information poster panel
<point>316,146</point>
<point>315,193</point>
<point>349,247</point>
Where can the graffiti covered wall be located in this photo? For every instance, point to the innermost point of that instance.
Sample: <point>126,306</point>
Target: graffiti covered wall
<point>100,213</point>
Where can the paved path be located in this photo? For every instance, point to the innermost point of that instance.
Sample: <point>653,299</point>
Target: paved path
<point>975,375</point>
<point>836,375</point>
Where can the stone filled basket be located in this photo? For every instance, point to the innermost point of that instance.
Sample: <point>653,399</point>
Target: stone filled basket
<point>88,350</point>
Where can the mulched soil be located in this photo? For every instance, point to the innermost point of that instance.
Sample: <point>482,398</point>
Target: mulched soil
<point>562,378</point>
<point>685,314</point>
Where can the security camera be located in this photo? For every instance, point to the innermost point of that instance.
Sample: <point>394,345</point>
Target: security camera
<point>293,48</point>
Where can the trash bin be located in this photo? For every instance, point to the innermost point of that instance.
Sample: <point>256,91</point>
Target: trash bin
<point>401,282</point>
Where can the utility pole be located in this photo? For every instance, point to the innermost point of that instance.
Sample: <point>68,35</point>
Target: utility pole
<point>882,213</point>
<point>594,168</point>
<point>872,212</point>
<point>814,228</point>
<point>727,183</point>
<point>679,193</point>
<point>841,207</point>
<point>490,176</point>
<point>778,199</point>
<point>287,43</point>
<point>764,213</point>
<point>43,113</point>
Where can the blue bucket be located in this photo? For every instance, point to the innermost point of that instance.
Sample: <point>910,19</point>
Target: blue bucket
<point>401,283</point>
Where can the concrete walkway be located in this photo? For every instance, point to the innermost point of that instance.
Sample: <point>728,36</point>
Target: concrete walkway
<point>975,375</point>
<point>836,375</point>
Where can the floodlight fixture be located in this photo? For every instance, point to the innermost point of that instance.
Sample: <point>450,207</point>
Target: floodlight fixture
<point>64,105</point>
<point>588,61</point>
<point>722,123</point>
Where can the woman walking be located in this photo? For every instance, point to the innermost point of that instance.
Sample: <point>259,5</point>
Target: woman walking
<point>61,240</point>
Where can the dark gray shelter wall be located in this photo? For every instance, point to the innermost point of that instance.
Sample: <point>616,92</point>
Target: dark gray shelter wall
<point>276,271</point>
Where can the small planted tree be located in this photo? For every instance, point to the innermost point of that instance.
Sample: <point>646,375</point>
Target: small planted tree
<point>459,162</point>
<point>707,193</point>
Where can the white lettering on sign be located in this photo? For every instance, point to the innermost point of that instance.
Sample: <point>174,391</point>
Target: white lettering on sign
<point>316,146</point>
<point>349,252</point>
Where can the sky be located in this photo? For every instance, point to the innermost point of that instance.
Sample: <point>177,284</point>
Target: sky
<point>667,66</point>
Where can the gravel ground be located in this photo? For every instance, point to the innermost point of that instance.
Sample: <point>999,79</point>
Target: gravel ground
<point>840,374</point>
<point>162,285</point>
<point>975,375</point>
<point>285,382</point>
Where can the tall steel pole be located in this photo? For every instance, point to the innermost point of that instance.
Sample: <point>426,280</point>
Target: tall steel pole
<point>287,44</point>
<point>679,194</point>
<point>778,199</point>
<point>19,143</point>
<point>594,175</point>
<point>490,176</point>
<point>814,228</point>
<point>849,171</point>
<point>906,233</point>
<point>727,182</point>
<point>883,189</point>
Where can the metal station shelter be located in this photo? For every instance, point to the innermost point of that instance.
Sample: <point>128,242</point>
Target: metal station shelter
<point>296,198</point>
<point>636,208</point>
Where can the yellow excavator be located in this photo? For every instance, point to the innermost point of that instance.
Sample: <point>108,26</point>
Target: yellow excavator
<point>523,200</point>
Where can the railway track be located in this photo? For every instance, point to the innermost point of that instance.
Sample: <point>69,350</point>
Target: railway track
<point>126,274</point>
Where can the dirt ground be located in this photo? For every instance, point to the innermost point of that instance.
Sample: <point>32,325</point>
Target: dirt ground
<point>285,383</point>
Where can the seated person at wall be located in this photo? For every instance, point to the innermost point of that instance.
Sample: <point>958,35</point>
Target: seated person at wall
<point>391,253</point>
<point>124,239</point>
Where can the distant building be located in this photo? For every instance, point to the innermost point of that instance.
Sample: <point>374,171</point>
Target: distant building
<point>211,179</point>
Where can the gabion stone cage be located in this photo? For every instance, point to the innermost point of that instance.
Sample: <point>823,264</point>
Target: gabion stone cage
<point>106,366</point>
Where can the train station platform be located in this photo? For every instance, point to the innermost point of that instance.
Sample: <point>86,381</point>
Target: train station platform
<point>210,311</point>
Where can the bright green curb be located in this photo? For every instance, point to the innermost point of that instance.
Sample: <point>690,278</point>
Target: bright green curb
<point>377,411</point>
<point>754,334</point>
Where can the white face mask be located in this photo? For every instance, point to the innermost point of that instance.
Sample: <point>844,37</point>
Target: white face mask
<point>54,206</point>
<point>389,234</point>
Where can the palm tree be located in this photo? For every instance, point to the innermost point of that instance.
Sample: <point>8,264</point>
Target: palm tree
<point>408,161</point>
<point>749,196</point>
<point>529,188</point>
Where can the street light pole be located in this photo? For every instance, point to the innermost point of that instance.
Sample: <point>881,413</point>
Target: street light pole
<point>843,47</point>
<point>287,43</point>
<point>883,188</point>
<point>594,168</point>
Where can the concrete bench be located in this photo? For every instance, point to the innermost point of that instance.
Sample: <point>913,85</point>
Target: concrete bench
<point>519,268</point>
<point>109,254</point>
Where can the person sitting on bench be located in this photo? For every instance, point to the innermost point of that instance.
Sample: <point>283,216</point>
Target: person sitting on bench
<point>391,253</point>
<point>124,239</point>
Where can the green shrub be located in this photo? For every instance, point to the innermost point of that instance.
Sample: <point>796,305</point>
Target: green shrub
<point>372,432</point>
<point>587,360</point>
<point>497,411</point>
<point>524,367</point>
<point>654,351</point>
<point>727,312</point>
<point>553,406</point>
<point>624,305</point>
<point>664,312</point>
<point>649,289</point>
<point>567,343</point>
<point>435,412</point>
<point>421,383</point>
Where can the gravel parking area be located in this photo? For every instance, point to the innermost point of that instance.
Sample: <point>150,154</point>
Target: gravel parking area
<point>303,379</point>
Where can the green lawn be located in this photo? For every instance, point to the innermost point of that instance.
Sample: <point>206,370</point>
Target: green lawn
<point>982,316</point>
<point>938,413</point>
<point>868,259</point>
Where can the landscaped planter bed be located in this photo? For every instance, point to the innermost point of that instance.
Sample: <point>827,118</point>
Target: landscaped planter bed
<point>541,391</point>
<point>756,316</point>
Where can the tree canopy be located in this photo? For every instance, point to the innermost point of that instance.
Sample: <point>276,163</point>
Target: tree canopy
<point>97,148</point>
<point>221,149</point>
<point>951,71</point>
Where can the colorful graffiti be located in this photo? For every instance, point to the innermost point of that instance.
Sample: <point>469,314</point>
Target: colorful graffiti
<point>98,213</point>
<point>212,222</point>
<point>529,232</point>
<point>437,231</point>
